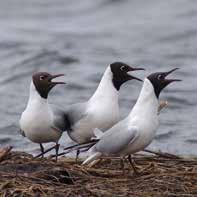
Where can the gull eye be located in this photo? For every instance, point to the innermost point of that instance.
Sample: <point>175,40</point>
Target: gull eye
<point>42,77</point>
<point>160,77</point>
<point>122,68</point>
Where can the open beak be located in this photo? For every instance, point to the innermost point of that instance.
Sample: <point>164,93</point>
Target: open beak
<point>134,69</point>
<point>56,82</point>
<point>170,80</point>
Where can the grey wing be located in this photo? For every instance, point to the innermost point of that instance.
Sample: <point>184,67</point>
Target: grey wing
<point>65,119</point>
<point>116,139</point>
<point>60,119</point>
<point>76,112</point>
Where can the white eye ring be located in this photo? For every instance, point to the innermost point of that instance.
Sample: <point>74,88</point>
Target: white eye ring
<point>41,77</point>
<point>122,68</point>
<point>159,77</point>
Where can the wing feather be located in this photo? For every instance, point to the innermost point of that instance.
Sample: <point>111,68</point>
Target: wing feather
<point>116,139</point>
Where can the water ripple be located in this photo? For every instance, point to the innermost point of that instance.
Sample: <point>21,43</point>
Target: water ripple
<point>80,39</point>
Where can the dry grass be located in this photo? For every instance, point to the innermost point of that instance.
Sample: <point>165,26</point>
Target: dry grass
<point>22,175</point>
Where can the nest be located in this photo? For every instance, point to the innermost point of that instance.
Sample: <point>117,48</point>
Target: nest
<point>23,175</point>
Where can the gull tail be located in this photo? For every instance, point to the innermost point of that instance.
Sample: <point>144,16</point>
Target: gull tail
<point>91,158</point>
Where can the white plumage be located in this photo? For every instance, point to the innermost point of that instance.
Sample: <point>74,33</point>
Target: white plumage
<point>100,111</point>
<point>137,130</point>
<point>37,121</point>
<point>133,133</point>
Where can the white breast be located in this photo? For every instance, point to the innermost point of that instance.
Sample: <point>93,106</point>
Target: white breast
<point>143,116</point>
<point>103,117</point>
<point>36,120</point>
<point>102,111</point>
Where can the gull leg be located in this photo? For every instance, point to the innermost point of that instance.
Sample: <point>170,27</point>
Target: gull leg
<point>42,150</point>
<point>56,151</point>
<point>77,155</point>
<point>122,165</point>
<point>131,161</point>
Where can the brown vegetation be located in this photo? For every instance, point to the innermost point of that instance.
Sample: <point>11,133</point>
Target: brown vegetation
<point>23,175</point>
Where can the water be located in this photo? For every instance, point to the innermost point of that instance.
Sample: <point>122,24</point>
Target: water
<point>80,38</point>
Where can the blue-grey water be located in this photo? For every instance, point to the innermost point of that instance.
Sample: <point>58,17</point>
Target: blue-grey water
<point>80,38</point>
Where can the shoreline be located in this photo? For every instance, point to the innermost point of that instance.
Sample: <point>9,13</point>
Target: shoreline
<point>23,175</point>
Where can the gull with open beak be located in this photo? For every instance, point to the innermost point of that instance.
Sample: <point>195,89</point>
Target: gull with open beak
<point>137,130</point>
<point>102,109</point>
<point>42,122</point>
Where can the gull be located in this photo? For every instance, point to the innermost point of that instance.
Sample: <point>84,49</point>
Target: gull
<point>102,109</point>
<point>42,122</point>
<point>137,130</point>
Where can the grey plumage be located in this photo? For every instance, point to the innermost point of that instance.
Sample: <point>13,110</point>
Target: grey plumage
<point>74,113</point>
<point>40,121</point>
<point>105,144</point>
<point>60,119</point>
<point>102,109</point>
<point>137,130</point>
